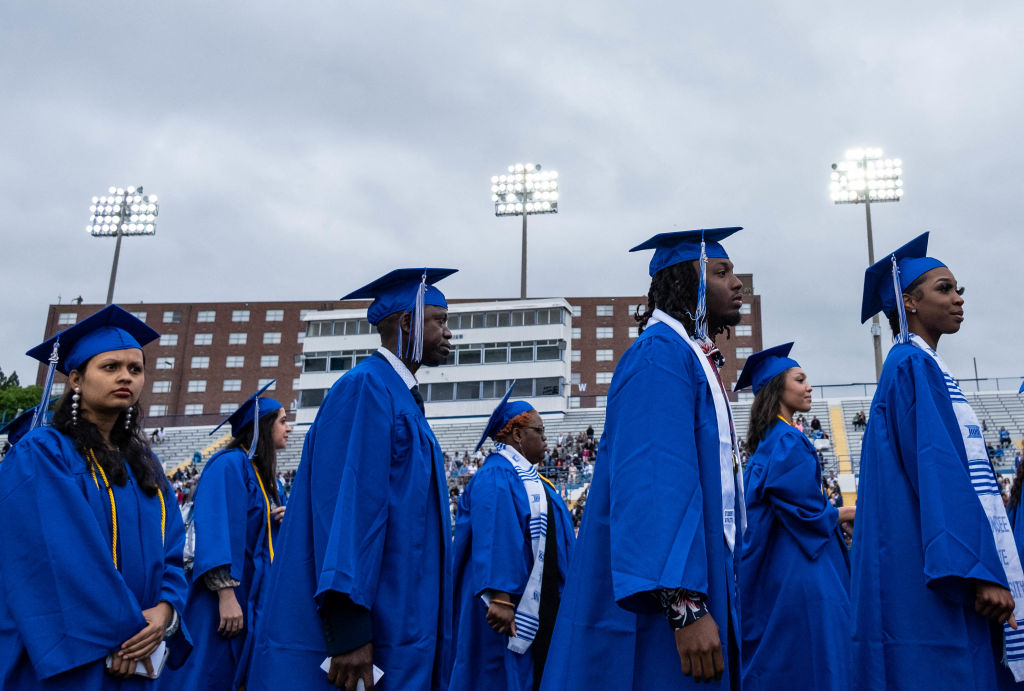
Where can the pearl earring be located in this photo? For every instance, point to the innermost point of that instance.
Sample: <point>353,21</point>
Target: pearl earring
<point>74,405</point>
<point>913,311</point>
<point>128,418</point>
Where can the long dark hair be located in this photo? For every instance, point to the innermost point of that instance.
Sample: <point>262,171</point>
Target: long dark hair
<point>674,291</point>
<point>130,445</point>
<point>765,411</point>
<point>1015,488</point>
<point>266,455</point>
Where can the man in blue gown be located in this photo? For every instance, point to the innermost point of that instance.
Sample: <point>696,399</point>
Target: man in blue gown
<point>513,539</point>
<point>651,600</point>
<point>363,576</point>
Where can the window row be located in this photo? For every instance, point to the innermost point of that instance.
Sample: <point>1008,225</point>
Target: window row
<point>462,391</point>
<point>199,385</point>
<point>461,354</point>
<point>231,361</point>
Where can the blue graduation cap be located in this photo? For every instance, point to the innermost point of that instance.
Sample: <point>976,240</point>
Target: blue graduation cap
<point>20,426</point>
<point>686,245</point>
<point>1021,390</point>
<point>502,414</point>
<point>765,365</point>
<point>886,279</point>
<point>404,290</point>
<point>255,408</point>
<point>112,328</point>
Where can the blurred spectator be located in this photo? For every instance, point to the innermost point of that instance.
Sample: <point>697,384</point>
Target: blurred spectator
<point>1004,437</point>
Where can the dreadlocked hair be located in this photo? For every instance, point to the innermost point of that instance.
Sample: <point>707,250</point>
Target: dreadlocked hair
<point>765,410</point>
<point>265,457</point>
<point>674,291</point>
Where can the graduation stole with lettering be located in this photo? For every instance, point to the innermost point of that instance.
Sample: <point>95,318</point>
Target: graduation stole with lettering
<point>730,472</point>
<point>987,489</point>
<point>528,611</point>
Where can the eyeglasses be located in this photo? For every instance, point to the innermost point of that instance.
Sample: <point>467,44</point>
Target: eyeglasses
<point>538,430</point>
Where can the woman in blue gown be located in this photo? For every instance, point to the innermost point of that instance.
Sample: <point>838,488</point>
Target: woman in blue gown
<point>236,517</point>
<point>496,539</point>
<point>935,573</point>
<point>91,576</point>
<point>794,569</point>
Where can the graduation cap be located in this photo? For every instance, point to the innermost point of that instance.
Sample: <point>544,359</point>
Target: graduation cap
<point>886,279</point>
<point>404,290</point>
<point>20,426</point>
<point>686,245</point>
<point>505,411</point>
<point>253,410</point>
<point>112,328</point>
<point>765,365</point>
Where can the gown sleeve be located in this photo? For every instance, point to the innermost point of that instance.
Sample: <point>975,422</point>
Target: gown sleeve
<point>656,516</point>
<point>68,602</point>
<point>220,513</point>
<point>501,550</point>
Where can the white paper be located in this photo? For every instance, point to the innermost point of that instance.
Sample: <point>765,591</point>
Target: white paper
<point>360,686</point>
<point>157,659</point>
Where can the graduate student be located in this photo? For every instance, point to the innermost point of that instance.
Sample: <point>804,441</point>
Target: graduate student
<point>935,572</point>
<point>1013,511</point>
<point>91,577</point>
<point>236,517</point>
<point>651,600</point>
<point>363,574</point>
<point>794,569</point>
<point>513,539</point>
<point>22,424</point>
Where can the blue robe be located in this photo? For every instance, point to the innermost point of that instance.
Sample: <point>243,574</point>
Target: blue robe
<point>230,523</point>
<point>653,521</point>
<point>920,534</point>
<point>794,571</point>
<point>63,605</point>
<point>368,517</point>
<point>1016,517</point>
<point>493,549</point>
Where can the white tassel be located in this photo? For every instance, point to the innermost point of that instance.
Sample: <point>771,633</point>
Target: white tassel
<point>417,321</point>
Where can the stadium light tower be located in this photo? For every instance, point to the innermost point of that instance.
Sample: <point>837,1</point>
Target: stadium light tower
<point>525,190</point>
<point>865,177</point>
<point>124,211</point>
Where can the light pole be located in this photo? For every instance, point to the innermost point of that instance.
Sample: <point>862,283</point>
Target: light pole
<point>124,211</point>
<point>525,190</point>
<point>866,178</point>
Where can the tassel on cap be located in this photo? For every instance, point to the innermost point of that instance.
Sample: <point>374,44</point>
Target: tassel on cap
<point>903,336</point>
<point>40,415</point>
<point>701,326</point>
<point>416,345</point>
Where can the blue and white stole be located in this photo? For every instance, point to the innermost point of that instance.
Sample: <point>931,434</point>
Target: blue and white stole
<point>729,469</point>
<point>987,489</point>
<point>528,611</point>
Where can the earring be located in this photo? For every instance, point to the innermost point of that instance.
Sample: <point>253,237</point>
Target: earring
<point>74,405</point>
<point>913,311</point>
<point>128,418</point>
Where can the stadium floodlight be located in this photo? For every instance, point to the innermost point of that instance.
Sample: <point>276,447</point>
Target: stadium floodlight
<point>122,211</point>
<point>523,191</point>
<point>867,177</point>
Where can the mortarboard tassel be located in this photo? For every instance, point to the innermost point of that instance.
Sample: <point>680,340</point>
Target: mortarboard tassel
<point>701,325</point>
<point>40,415</point>
<point>903,336</point>
<point>416,345</point>
<point>255,428</point>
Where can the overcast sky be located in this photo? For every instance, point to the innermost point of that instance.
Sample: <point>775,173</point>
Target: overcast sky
<point>301,149</point>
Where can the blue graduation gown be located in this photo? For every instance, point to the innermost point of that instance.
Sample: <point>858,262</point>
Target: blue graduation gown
<point>920,534</point>
<point>63,605</point>
<point>794,571</point>
<point>653,521</point>
<point>231,529</point>
<point>493,549</point>
<point>368,517</point>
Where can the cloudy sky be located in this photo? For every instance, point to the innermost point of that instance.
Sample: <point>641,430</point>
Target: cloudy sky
<point>300,149</point>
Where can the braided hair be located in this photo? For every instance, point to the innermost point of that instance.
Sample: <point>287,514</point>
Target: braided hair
<point>674,291</point>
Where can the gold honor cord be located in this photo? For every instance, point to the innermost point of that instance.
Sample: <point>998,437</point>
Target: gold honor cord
<point>113,507</point>
<point>266,504</point>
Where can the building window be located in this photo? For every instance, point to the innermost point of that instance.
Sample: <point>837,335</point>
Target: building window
<point>157,410</point>
<point>603,378</point>
<point>232,384</point>
<point>303,313</point>
<point>577,333</point>
<point>272,338</point>
<point>200,362</point>
<point>238,339</point>
<point>606,310</point>
<point>744,353</point>
<point>633,309</point>
<point>206,316</point>
<point>57,388</point>
<point>264,382</point>
<point>577,310</point>
<point>601,401</point>
<point>194,409</point>
<point>275,315</point>
<point>165,363</point>
<point>298,360</point>
<point>203,339</point>
<point>197,386</point>
<point>634,331</point>
<point>169,340</point>
<point>604,354</point>
<point>141,316</point>
<point>301,337</point>
<point>574,355</point>
<point>235,361</point>
<point>228,408</point>
<point>66,318</point>
<point>604,332</point>
<point>745,308</point>
<point>575,378</point>
<point>295,384</point>
<point>268,361</point>
<point>161,387</point>
<point>240,315</point>
<point>172,317</point>
<point>574,401</point>
<point>744,329</point>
